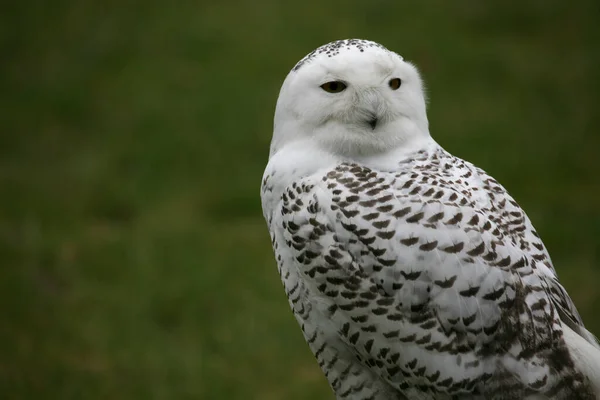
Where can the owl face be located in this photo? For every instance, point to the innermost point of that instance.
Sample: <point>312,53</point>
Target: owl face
<point>352,97</point>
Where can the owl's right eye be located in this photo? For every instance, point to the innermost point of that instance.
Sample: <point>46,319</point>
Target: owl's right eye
<point>334,86</point>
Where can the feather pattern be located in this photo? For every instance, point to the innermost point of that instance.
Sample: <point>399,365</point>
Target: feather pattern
<point>430,275</point>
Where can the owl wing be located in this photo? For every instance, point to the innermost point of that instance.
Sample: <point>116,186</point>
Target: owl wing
<point>427,283</point>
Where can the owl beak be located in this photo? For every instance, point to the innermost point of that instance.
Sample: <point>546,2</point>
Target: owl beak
<point>373,121</point>
<point>373,107</point>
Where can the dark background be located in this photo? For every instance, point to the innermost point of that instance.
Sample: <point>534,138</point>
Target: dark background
<point>134,261</point>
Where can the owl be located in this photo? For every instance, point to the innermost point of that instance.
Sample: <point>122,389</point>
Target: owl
<point>412,273</point>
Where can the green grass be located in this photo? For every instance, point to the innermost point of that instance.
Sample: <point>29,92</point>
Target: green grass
<point>134,261</point>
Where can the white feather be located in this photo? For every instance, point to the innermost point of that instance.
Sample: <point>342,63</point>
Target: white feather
<point>585,355</point>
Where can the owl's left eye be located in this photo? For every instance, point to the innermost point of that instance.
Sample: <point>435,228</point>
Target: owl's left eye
<point>395,83</point>
<point>334,86</point>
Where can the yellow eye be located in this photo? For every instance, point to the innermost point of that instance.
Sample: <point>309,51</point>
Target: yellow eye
<point>334,86</point>
<point>395,83</point>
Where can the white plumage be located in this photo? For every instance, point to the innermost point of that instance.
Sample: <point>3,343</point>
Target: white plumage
<point>412,273</point>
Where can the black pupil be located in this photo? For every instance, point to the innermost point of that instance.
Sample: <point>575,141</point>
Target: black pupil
<point>333,86</point>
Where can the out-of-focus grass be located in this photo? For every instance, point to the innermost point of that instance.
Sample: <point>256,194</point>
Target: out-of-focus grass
<point>134,260</point>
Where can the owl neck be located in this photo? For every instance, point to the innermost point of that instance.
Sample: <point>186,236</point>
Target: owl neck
<point>306,157</point>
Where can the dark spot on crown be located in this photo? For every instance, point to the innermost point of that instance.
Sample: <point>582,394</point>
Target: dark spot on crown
<point>333,49</point>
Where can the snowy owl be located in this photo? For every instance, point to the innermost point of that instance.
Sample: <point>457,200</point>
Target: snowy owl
<point>412,273</point>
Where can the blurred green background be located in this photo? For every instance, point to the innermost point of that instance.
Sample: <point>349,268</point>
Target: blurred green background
<point>134,261</point>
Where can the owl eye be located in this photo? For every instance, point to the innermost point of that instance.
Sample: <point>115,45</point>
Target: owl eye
<point>334,86</point>
<point>395,83</point>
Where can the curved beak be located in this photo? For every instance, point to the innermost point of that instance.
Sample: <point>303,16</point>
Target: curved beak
<point>373,121</point>
<point>372,107</point>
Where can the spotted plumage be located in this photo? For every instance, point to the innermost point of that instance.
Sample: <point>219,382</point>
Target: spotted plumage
<point>334,48</point>
<point>412,273</point>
